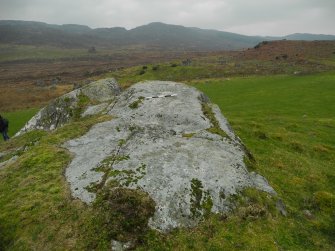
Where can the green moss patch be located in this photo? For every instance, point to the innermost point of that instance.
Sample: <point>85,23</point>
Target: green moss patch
<point>201,201</point>
<point>83,102</point>
<point>136,103</point>
<point>215,129</point>
<point>121,214</point>
<point>188,135</point>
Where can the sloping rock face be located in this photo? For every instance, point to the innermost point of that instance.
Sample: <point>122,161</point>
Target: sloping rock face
<point>70,105</point>
<point>169,141</point>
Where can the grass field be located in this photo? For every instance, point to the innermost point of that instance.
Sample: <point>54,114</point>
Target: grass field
<point>18,119</point>
<point>287,122</point>
<point>10,52</point>
<point>208,67</point>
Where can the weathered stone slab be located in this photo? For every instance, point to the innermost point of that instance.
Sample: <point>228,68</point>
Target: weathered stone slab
<point>186,158</point>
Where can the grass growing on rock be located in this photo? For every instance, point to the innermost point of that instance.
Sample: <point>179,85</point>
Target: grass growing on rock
<point>119,214</point>
<point>136,103</point>
<point>215,129</point>
<point>83,101</point>
<point>201,201</point>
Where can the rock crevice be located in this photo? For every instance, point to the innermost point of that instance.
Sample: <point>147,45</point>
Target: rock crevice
<point>163,147</point>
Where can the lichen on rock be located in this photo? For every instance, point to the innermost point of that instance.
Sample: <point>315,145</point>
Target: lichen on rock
<point>149,148</point>
<point>72,105</point>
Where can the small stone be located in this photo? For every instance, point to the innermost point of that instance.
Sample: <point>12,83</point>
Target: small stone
<point>117,246</point>
<point>308,214</point>
<point>120,246</point>
<point>281,207</point>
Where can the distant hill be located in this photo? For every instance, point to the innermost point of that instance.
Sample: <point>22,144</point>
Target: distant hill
<point>309,37</point>
<point>291,50</point>
<point>158,36</point>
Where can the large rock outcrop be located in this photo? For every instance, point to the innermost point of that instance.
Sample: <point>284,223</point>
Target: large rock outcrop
<point>169,141</point>
<point>73,104</point>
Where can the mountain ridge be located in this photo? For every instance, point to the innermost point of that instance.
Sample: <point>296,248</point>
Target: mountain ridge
<point>153,35</point>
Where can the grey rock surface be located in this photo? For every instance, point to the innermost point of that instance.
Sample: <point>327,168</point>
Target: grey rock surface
<point>102,90</point>
<point>120,246</point>
<point>308,214</point>
<point>281,207</point>
<point>94,109</point>
<point>163,147</point>
<point>64,108</point>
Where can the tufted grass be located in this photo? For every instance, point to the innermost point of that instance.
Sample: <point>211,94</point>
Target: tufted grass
<point>37,211</point>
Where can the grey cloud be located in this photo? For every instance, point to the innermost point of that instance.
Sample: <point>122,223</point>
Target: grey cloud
<point>263,17</point>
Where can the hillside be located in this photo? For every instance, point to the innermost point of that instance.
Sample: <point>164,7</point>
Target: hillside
<point>291,50</point>
<point>40,81</point>
<point>285,121</point>
<point>309,37</point>
<point>154,36</point>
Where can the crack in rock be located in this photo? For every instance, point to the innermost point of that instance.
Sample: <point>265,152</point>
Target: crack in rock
<point>187,170</point>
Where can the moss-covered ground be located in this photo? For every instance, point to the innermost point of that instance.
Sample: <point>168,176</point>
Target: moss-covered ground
<point>37,211</point>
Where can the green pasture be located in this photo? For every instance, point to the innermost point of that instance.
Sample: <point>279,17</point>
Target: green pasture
<point>18,119</point>
<point>288,123</point>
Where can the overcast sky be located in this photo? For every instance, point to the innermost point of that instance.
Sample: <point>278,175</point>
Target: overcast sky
<point>250,17</point>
